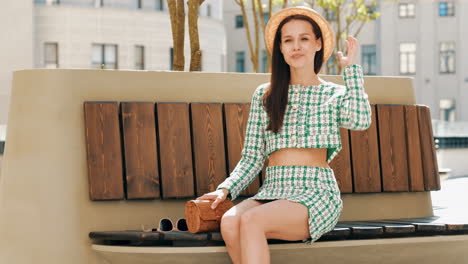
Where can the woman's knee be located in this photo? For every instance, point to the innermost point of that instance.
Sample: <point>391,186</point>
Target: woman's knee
<point>230,225</point>
<point>249,218</point>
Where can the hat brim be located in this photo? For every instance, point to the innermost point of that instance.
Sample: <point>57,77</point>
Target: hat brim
<point>328,35</point>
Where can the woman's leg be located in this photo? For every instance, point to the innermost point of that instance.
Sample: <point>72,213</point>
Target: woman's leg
<point>280,219</point>
<point>230,227</point>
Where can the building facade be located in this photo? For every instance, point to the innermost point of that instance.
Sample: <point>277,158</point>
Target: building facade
<point>423,39</point>
<point>101,34</point>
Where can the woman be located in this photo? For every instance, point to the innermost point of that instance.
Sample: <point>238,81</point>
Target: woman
<point>294,122</point>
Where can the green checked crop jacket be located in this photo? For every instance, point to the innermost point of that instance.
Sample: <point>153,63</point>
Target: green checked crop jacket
<point>312,119</point>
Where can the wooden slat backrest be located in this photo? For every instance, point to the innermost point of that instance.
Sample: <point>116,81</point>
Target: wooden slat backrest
<point>430,167</point>
<point>366,158</point>
<point>175,150</point>
<point>105,172</point>
<point>141,156</point>
<point>188,149</point>
<point>208,146</point>
<point>236,116</point>
<point>393,154</point>
<point>341,164</point>
<point>413,146</point>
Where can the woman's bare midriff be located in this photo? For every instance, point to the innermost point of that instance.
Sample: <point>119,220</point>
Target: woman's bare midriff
<point>314,157</point>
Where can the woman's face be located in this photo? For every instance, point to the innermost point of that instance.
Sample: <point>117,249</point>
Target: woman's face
<point>298,44</point>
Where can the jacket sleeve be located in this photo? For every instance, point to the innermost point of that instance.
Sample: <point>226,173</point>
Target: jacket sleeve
<point>354,109</point>
<point>253,154</point>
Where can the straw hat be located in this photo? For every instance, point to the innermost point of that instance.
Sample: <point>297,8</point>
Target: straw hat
<point>328,35</point>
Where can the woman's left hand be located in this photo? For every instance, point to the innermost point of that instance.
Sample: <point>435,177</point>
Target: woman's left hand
<point>352,45</point>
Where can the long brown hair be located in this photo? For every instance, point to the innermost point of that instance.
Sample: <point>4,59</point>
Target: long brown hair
<point>275,99</point>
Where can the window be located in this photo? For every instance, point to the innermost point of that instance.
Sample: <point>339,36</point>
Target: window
<point>369,59</point>
<point>330,15</point>
<point>447,57</point>
<point>447,109</point>
<point>201,60</point>
<point>47,2</point>
<point>139,57</point>
<point>53,2</point>
<point>51,55</point>
<point>330,66</point>
<point>406,10</point>
<point>98,3</point>
<point>104,56</point>
<point>208,10</point>
<point>240,61</point>
<point>171,58</point>
<point>266,17</point>
<point>138,4</point>
<point>239,22</point>
<point>264,60</point>
<point>446,9</point>
<point>408,58</point>
<point>160,5</point>
<point>223,64</point>
<point>370,9</point>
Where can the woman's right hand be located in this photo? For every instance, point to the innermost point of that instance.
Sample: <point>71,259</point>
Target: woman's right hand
<point>217,196</point>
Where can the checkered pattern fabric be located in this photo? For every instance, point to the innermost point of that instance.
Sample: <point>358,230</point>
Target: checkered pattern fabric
<point>314,187</point>
<point>312,119</point>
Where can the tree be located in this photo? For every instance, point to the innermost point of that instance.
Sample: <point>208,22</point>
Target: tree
<point>177,16</point>
<point>195,55</point>
<point>347,17</point>
<point>258,16</point>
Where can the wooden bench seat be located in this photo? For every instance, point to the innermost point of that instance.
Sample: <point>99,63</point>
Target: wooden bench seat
<point>349,230</point>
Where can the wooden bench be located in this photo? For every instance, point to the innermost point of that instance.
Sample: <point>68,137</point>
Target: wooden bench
<point>183,150</point>
<point>392,228</point>
<point>49,210</point>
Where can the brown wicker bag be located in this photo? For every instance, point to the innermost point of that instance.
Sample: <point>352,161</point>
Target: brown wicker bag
<point>201,218</point>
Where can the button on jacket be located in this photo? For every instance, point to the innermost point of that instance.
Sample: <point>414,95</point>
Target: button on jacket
<point>312,119</point>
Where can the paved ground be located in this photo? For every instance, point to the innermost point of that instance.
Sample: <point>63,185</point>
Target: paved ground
<point>452,200</point>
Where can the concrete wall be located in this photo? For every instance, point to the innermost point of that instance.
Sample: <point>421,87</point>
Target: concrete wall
<point>16,20</point>
<point>45,211</point>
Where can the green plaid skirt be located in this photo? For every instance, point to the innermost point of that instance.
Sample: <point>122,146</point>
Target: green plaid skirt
<point>314,187</point>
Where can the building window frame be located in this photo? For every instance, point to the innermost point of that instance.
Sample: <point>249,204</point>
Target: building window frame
<point>139,56</point>
<point>264,60</point>
<point>447,57</point>
<point>406,10</point>
<point>369,59</point>
<point>159,5</point>
<point>104,58</point>
<point>371,8</point>
<point>239,21</point>
<point>330,15</point>
<point>240,61</point>
<point>408,58</point>
<point>98,3</point>
<point>208,10</point>
<point>446,9</point>
<point>266,18</point>
<point>139,4</point>
<point>51,61</point>
<point>447,108</point>
<point>171,58</point>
